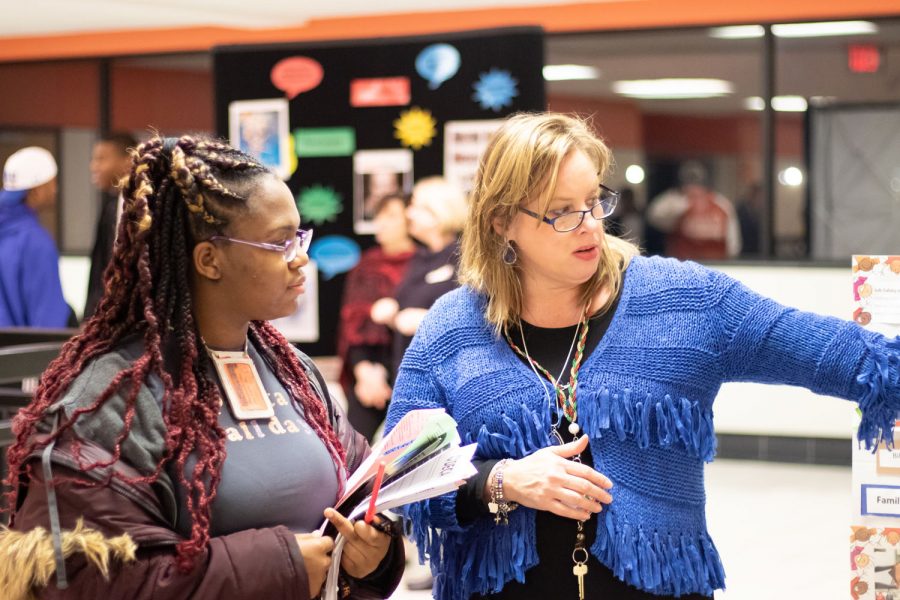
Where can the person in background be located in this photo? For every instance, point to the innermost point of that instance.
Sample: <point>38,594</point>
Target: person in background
<point>180,447</point>
<point>110,161</point>
<point>363,345</point>
<point>30,290</point>
<point>699,223</point>
<point>627,220</point>
<point>436,216</point>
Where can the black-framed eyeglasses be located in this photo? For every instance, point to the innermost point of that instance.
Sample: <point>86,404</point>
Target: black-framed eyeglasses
<point>289,249</point>
<point>606,204</point>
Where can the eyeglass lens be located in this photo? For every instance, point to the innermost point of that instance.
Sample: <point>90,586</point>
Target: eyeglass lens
<point>604,207</point>
<point>300,242</point>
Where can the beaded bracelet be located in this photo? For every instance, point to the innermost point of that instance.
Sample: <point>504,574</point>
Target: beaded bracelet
<point>499,505</point>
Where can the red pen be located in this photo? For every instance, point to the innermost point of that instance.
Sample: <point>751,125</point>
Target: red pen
<point>370,513</point>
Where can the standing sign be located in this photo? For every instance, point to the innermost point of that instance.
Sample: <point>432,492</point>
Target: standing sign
<point>875,530</point>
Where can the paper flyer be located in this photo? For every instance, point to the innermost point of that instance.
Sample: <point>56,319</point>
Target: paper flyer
<point>874,536</point>
<point>464,142</point>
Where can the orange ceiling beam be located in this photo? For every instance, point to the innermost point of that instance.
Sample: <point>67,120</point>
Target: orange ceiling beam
<point>557,18</point>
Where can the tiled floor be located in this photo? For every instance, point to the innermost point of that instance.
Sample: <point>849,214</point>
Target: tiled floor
<point>782,530</point>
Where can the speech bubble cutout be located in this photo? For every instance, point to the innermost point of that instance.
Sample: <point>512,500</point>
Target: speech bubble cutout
<point>296,75</point>
<point>334,254</point>
<point>437,63</point>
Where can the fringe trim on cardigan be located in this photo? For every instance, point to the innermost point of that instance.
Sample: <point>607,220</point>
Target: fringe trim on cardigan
<point>661,563</point>
<point>468,560</point>
<point>880,402</point>
<point>27,561</point>
<point>678,422</point>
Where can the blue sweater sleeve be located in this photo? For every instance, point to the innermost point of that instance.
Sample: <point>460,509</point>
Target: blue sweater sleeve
<point>41,288</point>
<point>416,387</point>
<point>770,343</point>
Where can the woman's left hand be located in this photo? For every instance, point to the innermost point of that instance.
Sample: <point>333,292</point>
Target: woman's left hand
<point>365,547</point>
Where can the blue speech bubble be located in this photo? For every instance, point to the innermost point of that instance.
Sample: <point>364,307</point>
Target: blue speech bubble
<point>437,63</point>
<point>334,254</point>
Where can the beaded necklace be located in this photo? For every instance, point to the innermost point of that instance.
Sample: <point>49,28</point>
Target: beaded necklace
<point>566,395</point>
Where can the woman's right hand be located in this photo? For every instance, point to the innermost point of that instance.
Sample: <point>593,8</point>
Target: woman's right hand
<point>548,480</point>
<point>384,310</point>
<point>316,551</point>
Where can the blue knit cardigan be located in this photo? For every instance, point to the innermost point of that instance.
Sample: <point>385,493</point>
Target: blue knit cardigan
<point>645,398</point>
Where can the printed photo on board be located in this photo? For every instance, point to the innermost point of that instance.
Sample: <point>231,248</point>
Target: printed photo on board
<point>261,128</point>
<point>377,173</point>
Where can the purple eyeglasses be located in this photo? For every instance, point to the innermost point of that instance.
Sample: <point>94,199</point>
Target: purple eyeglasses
<point>289,249</point>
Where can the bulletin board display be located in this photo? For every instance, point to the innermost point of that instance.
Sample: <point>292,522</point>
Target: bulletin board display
<point>344,123</point>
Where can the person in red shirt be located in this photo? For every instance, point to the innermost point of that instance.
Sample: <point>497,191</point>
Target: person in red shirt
<point>700,224</point>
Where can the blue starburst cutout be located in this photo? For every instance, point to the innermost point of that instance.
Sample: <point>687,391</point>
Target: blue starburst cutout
<point>495,89</point>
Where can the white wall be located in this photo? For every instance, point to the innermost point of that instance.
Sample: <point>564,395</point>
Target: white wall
<point>73,273</point>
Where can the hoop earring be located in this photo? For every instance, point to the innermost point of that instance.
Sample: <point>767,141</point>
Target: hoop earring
<point>509,255</point>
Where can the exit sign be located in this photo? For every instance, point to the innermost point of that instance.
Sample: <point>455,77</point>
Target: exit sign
<point>864,58</point>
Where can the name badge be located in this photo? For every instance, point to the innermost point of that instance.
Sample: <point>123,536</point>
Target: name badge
<point>243,388</point>
<point>440,274</point>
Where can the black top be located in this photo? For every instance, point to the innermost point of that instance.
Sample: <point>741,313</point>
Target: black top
<point>429,276</point>
<point>102,252</point>
<point>555,536</point>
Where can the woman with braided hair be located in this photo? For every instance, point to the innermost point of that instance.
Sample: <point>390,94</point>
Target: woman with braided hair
<point>180,447</point>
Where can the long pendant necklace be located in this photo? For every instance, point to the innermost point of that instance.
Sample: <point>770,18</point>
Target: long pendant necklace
<point>566,395</point>
<point>567,400</point>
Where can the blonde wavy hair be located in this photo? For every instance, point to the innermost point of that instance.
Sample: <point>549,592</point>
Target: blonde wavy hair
<point>522,162</point>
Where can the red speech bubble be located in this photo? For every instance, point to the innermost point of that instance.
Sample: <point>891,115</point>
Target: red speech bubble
<point>296,74</point>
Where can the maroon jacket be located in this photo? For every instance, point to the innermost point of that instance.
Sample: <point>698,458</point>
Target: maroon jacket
<point>257,563</point>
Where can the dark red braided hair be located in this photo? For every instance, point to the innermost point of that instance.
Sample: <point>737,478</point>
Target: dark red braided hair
<point>179,192</point>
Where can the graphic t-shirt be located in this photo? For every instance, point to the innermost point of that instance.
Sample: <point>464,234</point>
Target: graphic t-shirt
<point>277,471</point>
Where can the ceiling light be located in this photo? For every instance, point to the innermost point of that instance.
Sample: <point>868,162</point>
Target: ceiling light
<point>570,72</point>
<point>671,89</point>
<point>796,30</point>
<point>634,174</point>
<point>779,103</point>
<point>792,176</point>
<point>737,32</point>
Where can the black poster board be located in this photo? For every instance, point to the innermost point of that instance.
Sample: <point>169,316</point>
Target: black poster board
<point>244,73</point>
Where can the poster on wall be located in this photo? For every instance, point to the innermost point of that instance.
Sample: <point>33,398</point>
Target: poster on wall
<point>875,529</point>
<point>261,129</point>
<point>303,325</point>
<point>464,142</point>
<point>368,117</point>
<point>376,174</point>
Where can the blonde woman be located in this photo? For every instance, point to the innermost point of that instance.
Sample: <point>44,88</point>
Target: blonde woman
<point>586,374</point>
<point>436,214</point>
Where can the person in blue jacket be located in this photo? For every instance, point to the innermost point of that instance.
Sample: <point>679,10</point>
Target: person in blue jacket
<point>586,374</point>
<point>30,291</point>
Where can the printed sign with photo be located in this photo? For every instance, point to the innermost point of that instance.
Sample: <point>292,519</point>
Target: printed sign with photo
<point>464,142</point>
<point>376,174</point>
<point>261,129</point>
<point>875,529</point>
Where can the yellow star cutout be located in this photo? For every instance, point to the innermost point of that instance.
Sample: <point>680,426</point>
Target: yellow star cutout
<point>415,128</point>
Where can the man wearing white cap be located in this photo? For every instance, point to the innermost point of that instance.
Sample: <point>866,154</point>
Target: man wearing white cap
<point>30,291</point>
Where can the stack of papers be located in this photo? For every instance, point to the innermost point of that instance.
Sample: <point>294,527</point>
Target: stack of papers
<point>422,459</point>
